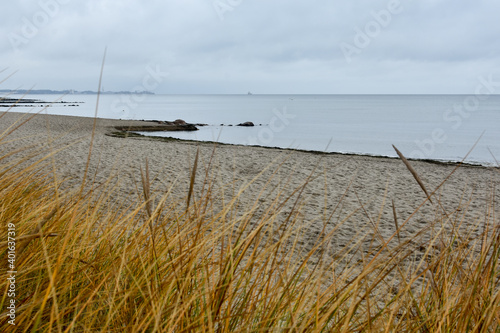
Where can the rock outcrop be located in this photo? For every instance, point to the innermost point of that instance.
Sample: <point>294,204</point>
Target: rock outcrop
<point>246,124</point>
<point>179,122</point>
<point>158,128</point>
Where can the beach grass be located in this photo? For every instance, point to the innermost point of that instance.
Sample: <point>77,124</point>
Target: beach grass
<point>89,261</point>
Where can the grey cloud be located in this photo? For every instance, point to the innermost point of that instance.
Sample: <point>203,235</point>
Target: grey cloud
<point>279,46</point>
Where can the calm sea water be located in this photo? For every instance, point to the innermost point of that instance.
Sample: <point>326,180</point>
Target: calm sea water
<point>439,127</point>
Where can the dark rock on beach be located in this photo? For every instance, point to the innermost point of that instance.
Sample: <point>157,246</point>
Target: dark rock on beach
<point>179,122</point>
<point>163,126</point>
<point>246,124</point>
<point>158,128</point>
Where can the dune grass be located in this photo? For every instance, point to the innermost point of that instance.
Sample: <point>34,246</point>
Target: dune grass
<point>88,262</point>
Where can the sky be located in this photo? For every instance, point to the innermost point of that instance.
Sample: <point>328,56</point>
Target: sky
<point>262,46</point>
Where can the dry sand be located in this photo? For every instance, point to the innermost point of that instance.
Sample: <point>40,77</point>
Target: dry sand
<point>354,191</point>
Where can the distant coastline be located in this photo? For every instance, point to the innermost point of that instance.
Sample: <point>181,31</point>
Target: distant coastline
<point>71,92</point>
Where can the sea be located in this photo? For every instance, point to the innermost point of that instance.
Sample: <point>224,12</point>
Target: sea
<point>431,127</point>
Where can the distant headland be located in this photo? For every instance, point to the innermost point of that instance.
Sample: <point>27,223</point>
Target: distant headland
<point>71,92</point>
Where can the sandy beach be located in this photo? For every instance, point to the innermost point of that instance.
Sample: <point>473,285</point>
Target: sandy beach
<point>351,193</point>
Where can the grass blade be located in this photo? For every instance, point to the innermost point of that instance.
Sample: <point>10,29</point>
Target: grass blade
<point>413,172</point>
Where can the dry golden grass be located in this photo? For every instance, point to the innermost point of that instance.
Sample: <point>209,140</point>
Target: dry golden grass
<point>89,263</point>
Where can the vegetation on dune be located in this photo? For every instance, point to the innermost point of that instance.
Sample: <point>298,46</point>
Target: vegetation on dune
<point>88,262</point>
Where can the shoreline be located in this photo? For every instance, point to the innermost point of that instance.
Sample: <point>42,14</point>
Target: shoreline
<point>151,125</point>
<point>133,134</point>
<point>117,128</point>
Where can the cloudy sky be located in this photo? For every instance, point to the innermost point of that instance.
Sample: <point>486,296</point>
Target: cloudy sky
<point>263,46</point>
